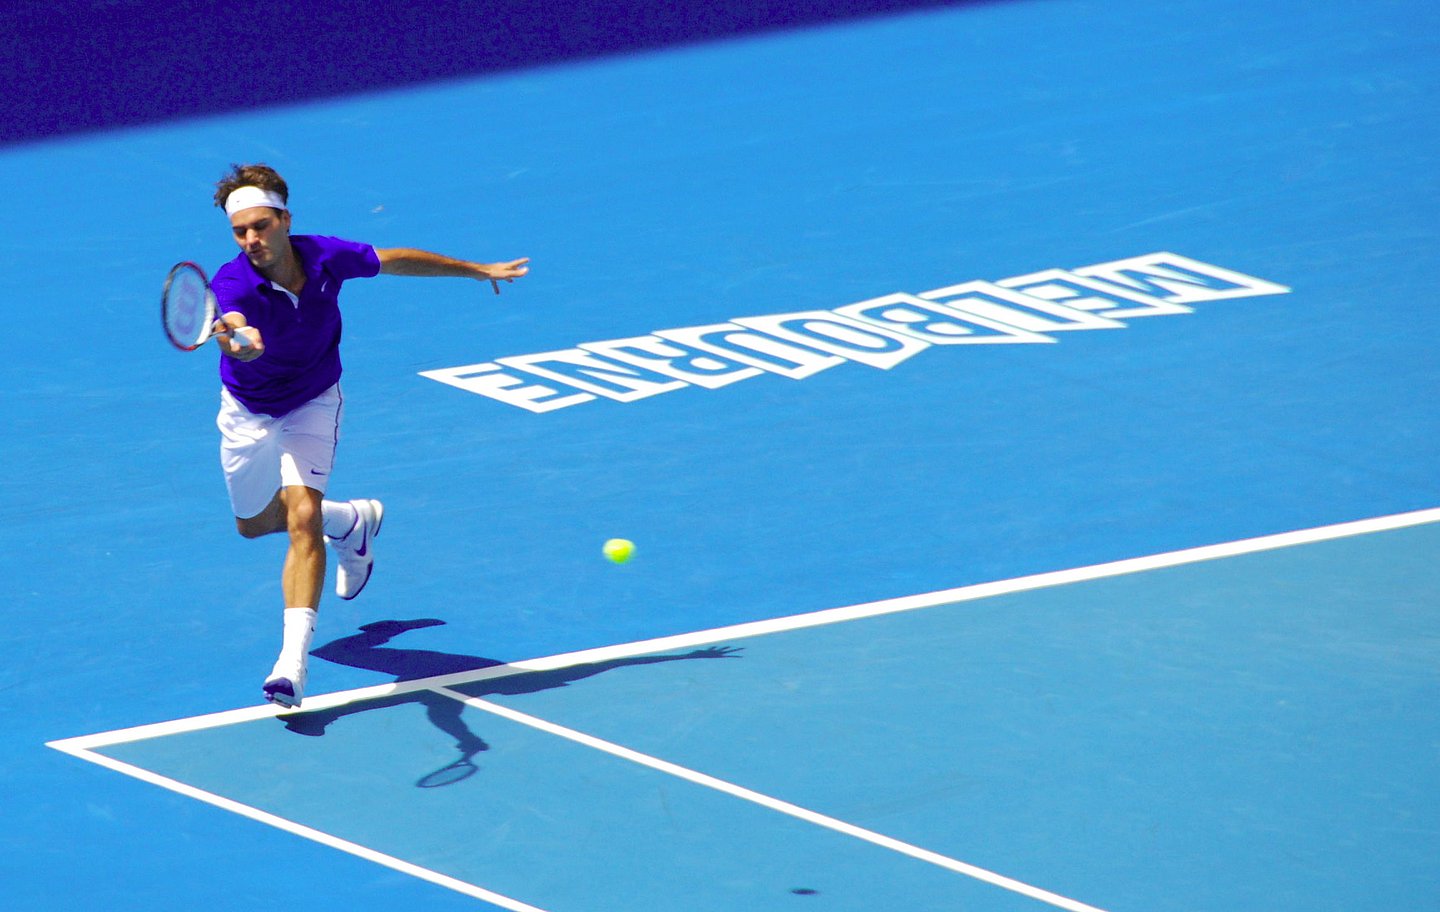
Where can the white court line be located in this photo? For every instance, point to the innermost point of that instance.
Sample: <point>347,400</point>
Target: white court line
<point>84,747</point>
<point>299,829</point>
<point>775,625</point>
<point>774,804</point>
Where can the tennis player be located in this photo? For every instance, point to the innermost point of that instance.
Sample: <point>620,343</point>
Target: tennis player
<point>281,404</point>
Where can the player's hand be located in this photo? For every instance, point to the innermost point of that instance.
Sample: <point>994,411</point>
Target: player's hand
<point>251,348</point>
<point>509,272</point>
<point>716,652</point>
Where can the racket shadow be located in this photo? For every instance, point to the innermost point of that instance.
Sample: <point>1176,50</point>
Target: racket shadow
<point>368,649</point>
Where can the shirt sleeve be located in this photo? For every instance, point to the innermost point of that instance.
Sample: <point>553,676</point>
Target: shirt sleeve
<point>350,259</point>
<point>229,290</point>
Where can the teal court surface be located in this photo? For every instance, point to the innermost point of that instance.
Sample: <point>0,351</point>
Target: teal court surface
<point>1025,413</point>
<point>1074,733</point>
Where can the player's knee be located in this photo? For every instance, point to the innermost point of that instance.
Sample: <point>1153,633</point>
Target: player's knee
<point>303,517</point>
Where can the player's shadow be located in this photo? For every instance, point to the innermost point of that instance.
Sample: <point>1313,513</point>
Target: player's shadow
<point>367,649</point>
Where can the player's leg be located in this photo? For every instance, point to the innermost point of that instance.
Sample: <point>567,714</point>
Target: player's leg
<point>250,455</point>
<point>301,581</point>
<point>311,434</point>
<point>306,439</point>
<point>304,572</point>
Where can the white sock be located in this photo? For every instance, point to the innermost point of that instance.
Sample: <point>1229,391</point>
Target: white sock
<point>299,629</point>
<point>338,517</point>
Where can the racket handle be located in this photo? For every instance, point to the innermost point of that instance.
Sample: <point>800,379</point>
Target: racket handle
<point>240,338</point>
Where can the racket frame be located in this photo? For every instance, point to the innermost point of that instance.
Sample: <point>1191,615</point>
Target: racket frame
<point>211,314</point>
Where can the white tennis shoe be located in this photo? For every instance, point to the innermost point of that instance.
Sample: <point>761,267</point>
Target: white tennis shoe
<point>354,554</point>
<point>286,684</point>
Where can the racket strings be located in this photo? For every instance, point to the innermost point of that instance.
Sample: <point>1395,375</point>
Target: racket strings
<point>186,307</point>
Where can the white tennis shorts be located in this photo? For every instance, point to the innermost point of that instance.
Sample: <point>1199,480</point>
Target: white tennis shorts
<point>261,454</point>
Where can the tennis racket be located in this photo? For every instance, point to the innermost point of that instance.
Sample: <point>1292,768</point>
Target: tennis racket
<point>449,775</point>
<point>188,309</point>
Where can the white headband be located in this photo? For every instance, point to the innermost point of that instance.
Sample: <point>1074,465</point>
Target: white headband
<point>249,197</point>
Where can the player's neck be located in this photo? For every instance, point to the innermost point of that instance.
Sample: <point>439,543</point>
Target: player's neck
<point>286,271</point>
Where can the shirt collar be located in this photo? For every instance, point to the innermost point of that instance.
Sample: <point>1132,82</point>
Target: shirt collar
<point>298,243</point>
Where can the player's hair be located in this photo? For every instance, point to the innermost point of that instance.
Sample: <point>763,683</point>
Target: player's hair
<point>256,175</point>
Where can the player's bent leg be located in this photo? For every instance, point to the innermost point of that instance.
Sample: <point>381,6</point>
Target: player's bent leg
<point>268,521</point>
<point>354,551</point>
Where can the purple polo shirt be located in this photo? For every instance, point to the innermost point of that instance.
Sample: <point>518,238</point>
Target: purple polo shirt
<point>302,340</point>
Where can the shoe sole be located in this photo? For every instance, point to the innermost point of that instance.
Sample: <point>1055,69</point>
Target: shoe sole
<point>274,694</point>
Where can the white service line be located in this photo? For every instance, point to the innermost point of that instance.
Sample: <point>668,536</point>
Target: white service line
<point>299,829</point>
<point>774,804</point>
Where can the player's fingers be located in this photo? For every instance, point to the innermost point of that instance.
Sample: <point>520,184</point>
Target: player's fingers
<point>249,339</point>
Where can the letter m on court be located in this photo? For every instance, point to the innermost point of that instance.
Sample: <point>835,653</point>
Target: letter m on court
<point>1179,279</point>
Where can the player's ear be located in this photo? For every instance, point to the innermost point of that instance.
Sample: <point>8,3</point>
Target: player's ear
<point>285,219</point>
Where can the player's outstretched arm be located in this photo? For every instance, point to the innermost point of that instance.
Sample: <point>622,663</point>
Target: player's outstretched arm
<point>410,262</point>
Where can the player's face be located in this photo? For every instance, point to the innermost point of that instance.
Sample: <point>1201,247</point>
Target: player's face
<point>263,233</point>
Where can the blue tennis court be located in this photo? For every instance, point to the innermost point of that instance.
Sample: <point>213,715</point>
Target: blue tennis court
<point>1024,412</point>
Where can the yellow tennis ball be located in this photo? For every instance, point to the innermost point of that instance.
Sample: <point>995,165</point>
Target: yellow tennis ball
<point>619,550</point>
